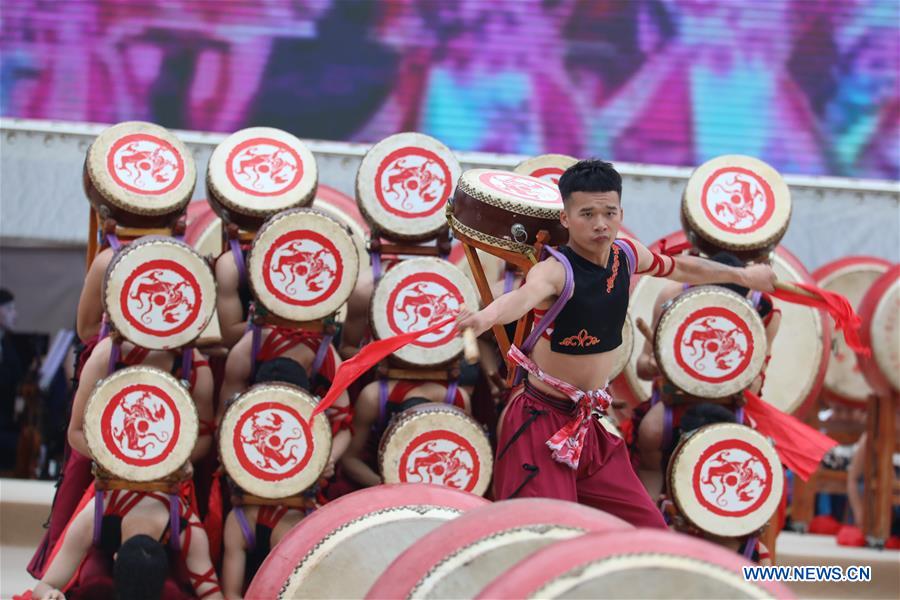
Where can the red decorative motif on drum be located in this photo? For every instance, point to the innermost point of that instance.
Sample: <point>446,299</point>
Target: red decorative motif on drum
<point>264,167</point>
<point>421,300</point>
<point>440,457</point>
<point>302,268</point>
<point>548,174</point>
<point>145,164</point>
<point>161,298</point>
<point>737,200</point>
<point>140,425</point>
<point>732,478</point>
<point>523,188</point>
<point>412,182</point>
<point>272,441</point>
<point>713,344</point>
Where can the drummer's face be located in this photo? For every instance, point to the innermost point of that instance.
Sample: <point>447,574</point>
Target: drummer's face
<point>593,219</point>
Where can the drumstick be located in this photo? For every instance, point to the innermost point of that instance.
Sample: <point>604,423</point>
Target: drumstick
<point>645,329</point>
<point>794,289</point>
<point>470,346</point>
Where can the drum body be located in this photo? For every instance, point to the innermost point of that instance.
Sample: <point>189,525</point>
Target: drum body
<point>851,277</point>
<point>437,444</point>
<point>139,174</point>
<point>505,210</point>
<point>303,265</point>
<point>344,210</point>
<point>159,293</point>
<point>339,550</point>
<point>880,314</point>
<point>403,184</point>
<point>460,557</point>
<point>548,167</point>
<point>414,295</point>
<point>257,172</point>
<point>726,480</point>
<point>736,203</point>
<point>140,424</point>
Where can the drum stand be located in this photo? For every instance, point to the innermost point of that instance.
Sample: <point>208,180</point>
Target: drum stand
<point>106,481</point>
<point>878,469</point>
<point>385,370</point>
<point>380,246</point>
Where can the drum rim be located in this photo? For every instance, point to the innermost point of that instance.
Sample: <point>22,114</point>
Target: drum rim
<point>224,204</point>
<point>322,525</point>
<point>189,430</point>
<point>870,305</point>
<point>207,272</point>
<point>554,159</point>
<point>678,458</point>
<point>93,175</point>
<point>759,353</point>
<point>527,210</point>
<point>463,233</point>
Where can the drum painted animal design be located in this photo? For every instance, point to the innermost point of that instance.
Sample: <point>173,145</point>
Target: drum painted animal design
<point>548,167</point>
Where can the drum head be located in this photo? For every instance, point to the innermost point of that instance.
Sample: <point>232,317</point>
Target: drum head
<point>159,293</point>
<point>140,170</point>
<point>403,184</point>
<point>260,171</point>
<point>646,563</point>
<point>547,167</point>
<point>737,203</point>
<point>303,265</point>
<point>140,424</point>
<point>416,294</point>
<point>710,342</point>
<point>268,443</point>
<point>851,277</point>
<point>726,479</point>
<point>437,444</point>
<point>880,313</point>
<point>460,557</point>
<point>339,550</point>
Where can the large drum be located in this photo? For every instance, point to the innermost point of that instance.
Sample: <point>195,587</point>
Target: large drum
<point>548,167</point>
<point>139,174</point>
<point>459,558</point>
<point>269,443</point>
<point>340,549</point>
<point>403,184</point>
<point>631,564</point>
<point>505,211</point>
<point>303,265</point>
<point>710,342</point>
<point>726,480</point>
<point>204,229</point>
<point>159,293</point>
<point>880,314</point>
<point>140,424</point>
<point>258,172</point>
<point>416,294</point>
<point>851,277</point>
<point>437,444</point>
<point>736,203</point>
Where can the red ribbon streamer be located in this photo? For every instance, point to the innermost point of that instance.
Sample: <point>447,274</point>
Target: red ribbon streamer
<point>799,446</point>
<point>840,309</point>
<point>368,357</point>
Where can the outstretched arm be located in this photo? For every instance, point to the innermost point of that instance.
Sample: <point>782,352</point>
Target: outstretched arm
<point>74,547</point>
<point>364,417</point>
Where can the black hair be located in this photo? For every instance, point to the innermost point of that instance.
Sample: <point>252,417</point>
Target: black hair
<point>141,569</point>
<point>729,259</point>
<point>282,370</point>
<point>6,296</point>
<point>395,408</point>
<point>705,413</point>
<point>590,176</point>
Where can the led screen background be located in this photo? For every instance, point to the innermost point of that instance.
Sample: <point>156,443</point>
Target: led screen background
<point>809,86</point>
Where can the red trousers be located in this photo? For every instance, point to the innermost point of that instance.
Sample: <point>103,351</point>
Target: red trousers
<point>604,479</point>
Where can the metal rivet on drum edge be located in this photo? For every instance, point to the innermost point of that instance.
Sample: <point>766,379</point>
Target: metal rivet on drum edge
<point>519,233</point>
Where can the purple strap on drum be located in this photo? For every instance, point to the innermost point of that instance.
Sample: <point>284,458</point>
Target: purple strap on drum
<point>667,427</point>
<point>654,397</point>
<point>255,345</point>
<point>749,547</point>
<point>235,246</point>
<point>376,266</point>
<point>104,328</point>
<point>382,399</point>
<point>451,392</point>
<point>632,259</point>
<point>114,353</point>
<point>552,313</point>
<point>509,279</point>
<point>739,415</point>
<point>98,515</point>
<point>174,523</point>
<point>755,298</point>
<point>249,535</point>
<point>187,363</point>
<point>321,353</point>
<point>113,240</point>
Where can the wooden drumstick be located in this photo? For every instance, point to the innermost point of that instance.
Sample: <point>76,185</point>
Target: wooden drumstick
<point>795,289</point>
<point>470,346</point>
<point>645,329</point>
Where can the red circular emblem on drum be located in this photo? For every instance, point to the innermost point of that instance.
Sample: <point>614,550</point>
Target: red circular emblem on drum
<point>713,344</point>
<point>732,478</point>
<point>549,174</point>
<point>272,441</point>
<point>264,167</point>
<point>440,457</point>
<point>421,300</point>
<point>140,425</point>
<point>302,268</point>
<point>521,187</point>
<point>145,164</point>
<point>412,182</point>
<point>160,298</point>
<point>737,200</point>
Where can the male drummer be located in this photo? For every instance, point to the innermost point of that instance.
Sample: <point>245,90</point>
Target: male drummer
<point>549,444</point>
<point>649,416</point>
